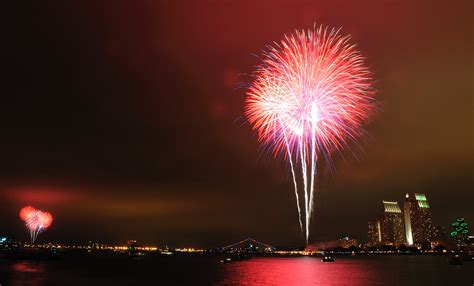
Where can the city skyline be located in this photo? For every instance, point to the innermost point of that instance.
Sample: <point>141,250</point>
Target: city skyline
<point>410,225</point>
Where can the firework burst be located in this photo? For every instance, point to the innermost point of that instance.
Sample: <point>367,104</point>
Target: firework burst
<point>310,96</point>
<point>35,220</point>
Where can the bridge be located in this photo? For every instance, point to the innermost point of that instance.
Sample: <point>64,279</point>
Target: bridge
<point>248,245</point>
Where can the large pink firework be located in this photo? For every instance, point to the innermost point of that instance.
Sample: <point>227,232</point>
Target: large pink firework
<point>310,97</point>
<point>35,220</point>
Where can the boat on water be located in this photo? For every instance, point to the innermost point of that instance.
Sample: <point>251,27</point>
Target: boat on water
<point>226,260</point>
<point>233,257</point>
<point>241,256</point>
<point>328,259</point>
<point>455,260</point>
<point>136,254</point>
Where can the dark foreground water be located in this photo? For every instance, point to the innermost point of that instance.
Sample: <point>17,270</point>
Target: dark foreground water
<point>198,270</point>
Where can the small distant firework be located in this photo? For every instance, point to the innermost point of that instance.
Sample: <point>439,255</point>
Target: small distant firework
<point>35,220</point>
<point>309,98</point>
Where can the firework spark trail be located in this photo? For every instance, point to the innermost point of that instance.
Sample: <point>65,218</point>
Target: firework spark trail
<point>310,97</point>
<point>294,181</point>
<point>313,170</point>
<point>305,188</point>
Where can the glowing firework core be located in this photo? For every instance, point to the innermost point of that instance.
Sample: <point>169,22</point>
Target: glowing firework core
<point>36,221</point>
<point>310,97</point>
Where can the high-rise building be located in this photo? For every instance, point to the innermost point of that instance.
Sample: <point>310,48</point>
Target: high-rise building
<point>392,224</point>
<point>439,233</point>
<point>417,213</point>
<point>460,232</point>
<point>407,207</point>
<point>374,233</point>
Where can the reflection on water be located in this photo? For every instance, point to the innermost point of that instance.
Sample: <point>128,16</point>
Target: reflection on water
<point>298,271</point>
<point>32,273</point>
<point>117,270</point>
<point>31,267</point>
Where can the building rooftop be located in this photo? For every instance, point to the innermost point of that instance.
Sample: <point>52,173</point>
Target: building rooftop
<point>422,202</point>
<point>391,207</point>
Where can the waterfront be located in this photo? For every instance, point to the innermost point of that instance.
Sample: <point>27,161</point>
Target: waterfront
<point>202,270</point>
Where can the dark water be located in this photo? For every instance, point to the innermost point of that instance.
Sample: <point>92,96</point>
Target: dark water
<point>199,270</point>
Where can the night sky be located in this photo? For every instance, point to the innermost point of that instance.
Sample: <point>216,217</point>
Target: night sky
<point>124,119</point>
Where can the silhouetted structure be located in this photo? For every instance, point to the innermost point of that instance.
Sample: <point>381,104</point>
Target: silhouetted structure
<point>347,242</point>
<point>248,245</point>
<point>342,243</point>
<point>374,236</point>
